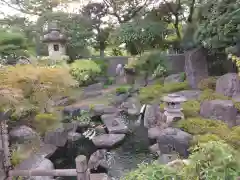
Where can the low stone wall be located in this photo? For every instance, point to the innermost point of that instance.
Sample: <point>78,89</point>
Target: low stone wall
<point>176,63</point>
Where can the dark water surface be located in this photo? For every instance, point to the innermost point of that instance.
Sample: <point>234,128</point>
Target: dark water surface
<point>125,157</point>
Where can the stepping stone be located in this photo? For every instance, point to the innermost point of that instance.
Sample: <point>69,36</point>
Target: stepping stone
<point>114,124</point>
<point>107,140</point>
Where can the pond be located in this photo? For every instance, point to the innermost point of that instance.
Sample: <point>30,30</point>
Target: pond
<point>133,151</point>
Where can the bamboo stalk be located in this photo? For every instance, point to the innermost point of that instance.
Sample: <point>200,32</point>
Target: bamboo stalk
<point>43,172</point>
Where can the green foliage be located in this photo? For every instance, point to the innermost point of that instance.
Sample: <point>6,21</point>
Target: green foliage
<point>116,52</point>
<point>208,83</point>
<point>141,35</point>
<point>150,93</point>
<point>211,161</point>
<point>103,64</point>
<point>199,125</point>
<point>220,24</point>
<point>191,108</point>
<point>45,122</point>
<point>183,76</point>
<point>174,87</point>
<point>155,92</point>
<point>234,137</point>
<point>198,139</point>
<point>85,71</point>
<point>12,45</point>
<point>85,117</point>
<point>153,171</point>
<point>209,95</point>
<point>122,89</point>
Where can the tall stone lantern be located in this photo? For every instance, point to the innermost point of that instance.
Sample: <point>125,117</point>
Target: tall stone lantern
<point>56,42</point>
<point>173,109</point>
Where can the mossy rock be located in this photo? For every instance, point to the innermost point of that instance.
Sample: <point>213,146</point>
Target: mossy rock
<point>174,87</point>
<point>197,139</point>
<point>149,93</point>
<point>191,108</point>
<point>200,126</point>
<point>208,83</point>
<point>44,122</point>
<point>209,95</point>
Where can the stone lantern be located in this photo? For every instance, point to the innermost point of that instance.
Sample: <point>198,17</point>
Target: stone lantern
<point>173,110</point>
<point>56,42</point>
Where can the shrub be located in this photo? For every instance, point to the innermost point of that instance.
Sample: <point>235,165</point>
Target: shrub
<point>149,93</point>
<point>211,161</point>
<point>183,76</point>
<point>103,65</point>
<point>198,139</point>
<point>208,83</point>
<point>45,122</point>
<point>191,108</point>
<point>122,89</point>
<point>234,137</point>
<point>209,95</point>
<point>153,171</point>
<point>197,126</point>
<point>85,71</point>
<point>174,87</point>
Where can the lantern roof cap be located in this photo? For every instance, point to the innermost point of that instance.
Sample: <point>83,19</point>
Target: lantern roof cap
<point>174,98</point>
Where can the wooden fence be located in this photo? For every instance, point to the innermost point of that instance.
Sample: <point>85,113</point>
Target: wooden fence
<point>81,172</point>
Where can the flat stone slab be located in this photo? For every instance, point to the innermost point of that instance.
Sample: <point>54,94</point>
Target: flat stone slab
<point>114,124</point>
<point>101,176</point>
<point>154,133</point>
<point>107,140</point>
<point>46,150</point>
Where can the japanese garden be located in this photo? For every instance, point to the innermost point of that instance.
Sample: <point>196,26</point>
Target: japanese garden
<point>120,89</point>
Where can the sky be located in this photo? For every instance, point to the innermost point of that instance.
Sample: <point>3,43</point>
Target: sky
<point>71,8</point>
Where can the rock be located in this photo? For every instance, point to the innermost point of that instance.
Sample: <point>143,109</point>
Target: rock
<point>57,137</point>
<point>96,158</point>
<point>23,133</point>
<point>152,116</point>
<point>174,78</point>
<point>173,140</point>
<point>190,94</point>
<point>219,110</point>
<point>167,158</point>
<point>94,87</point>
<point>46,150</point>
<point>196,66</point>
<point>111,123</point>
<point>91,94</point>
<point>118,100</point>
<point>228,84</point>
<point>73,136</point>
<point>155,149</point>
<point>132,106</point>
<point>100,109</point>
<point>107,140</point>
<point>100,129</point>
<point>36,162</point>
<point>154,133</point>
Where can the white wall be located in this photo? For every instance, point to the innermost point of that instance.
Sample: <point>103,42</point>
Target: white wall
<point>56,54</point>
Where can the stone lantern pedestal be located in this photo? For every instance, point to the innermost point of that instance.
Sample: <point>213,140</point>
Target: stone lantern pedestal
<point>173,110</point>
<point>129,75</point>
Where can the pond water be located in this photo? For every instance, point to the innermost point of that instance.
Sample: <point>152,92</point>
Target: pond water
<point>133,151</point>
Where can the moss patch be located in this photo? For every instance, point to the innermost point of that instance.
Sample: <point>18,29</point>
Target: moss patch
<point>191,108</point>
<point>208,83</point>
<point>209,95</point>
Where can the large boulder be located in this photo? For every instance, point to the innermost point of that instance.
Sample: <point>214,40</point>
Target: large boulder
<point>152,116</point>
<point>23,133</point>
<point>228,84</point>
<point>107,140</point>
<point>190,94</point>
<point>132,106</point>
<point>96,158</point>
<point>173,140</point>
<point>219,110</point>
<point>196,66</point>
<point>174,78</point>
<point>57,137</point>
<point>36,162</point>
<point>114,124</point>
